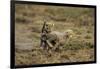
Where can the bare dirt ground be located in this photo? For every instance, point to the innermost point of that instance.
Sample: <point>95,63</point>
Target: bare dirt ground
<point>28,25</point>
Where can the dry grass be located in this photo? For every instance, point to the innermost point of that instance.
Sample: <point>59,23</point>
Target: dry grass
<point>28,24</point>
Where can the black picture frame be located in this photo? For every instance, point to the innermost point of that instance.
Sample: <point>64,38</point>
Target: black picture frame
<point>12,62</point>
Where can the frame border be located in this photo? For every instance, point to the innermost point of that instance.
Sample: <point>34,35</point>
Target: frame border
<point>12,33</point>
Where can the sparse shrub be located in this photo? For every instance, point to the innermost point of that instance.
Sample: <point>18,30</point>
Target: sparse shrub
<point>88,37</point>
<point>89,31</point>
<point>89,45</point>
